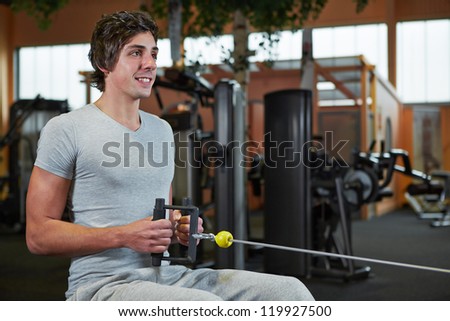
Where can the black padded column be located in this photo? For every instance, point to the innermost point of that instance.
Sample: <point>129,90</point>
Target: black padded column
<point>288,133</point>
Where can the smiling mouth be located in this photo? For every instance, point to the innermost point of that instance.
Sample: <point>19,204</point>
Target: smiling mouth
<point>144,79</point>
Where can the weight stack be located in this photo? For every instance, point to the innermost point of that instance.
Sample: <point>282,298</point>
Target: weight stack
<point>287,211</point>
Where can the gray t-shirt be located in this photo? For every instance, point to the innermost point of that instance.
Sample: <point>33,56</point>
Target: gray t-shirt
<point>116,176</point>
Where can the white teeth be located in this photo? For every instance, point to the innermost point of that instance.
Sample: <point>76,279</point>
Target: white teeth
<point>144,79</point>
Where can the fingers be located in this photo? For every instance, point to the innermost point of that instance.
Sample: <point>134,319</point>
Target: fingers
<point>183,224</point>
<point>146,236</point>
<point>175,216</point>
<point>159,224</point>
<point>183,227</point>
<point>160,236</point>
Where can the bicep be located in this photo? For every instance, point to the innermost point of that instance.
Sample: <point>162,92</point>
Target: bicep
<point>46,196</point>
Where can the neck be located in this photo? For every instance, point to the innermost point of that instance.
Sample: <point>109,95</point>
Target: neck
<point>124,112</point>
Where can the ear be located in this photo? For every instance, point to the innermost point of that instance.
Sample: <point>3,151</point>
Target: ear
<point>104,70</point>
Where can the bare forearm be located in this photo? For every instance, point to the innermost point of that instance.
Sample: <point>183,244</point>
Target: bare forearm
<point>55,237</point>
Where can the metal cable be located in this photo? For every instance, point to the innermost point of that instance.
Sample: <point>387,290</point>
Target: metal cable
<point>343,256</point>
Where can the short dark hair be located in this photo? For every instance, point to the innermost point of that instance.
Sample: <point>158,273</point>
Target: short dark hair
<point>111,33</point>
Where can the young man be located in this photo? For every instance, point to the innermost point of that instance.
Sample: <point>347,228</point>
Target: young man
<point>107,163</point>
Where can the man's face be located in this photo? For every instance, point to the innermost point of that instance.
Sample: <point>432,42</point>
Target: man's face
<point>135,71</point>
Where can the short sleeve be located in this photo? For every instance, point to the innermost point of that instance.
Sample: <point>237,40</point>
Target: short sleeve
<point>56,151</point>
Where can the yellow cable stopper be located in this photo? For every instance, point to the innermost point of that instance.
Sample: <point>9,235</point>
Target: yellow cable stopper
<point>224,239</point>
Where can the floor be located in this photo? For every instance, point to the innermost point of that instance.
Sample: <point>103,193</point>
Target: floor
<point>397,236</point>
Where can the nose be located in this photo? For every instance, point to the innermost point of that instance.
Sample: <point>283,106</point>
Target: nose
<point>149,62</point>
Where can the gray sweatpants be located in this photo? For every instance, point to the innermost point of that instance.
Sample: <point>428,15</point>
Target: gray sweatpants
<point>179,283</point>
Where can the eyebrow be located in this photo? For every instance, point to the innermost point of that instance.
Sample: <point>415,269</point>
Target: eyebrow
<point>140,47</point>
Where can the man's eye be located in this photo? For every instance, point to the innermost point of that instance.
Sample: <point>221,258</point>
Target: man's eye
<point>155,56</point>
<point>136,53</point>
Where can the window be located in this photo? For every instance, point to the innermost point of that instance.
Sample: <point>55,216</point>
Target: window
<point>53,72</point>
<point>423,61</point>
<point>368,40</point>
<point>206,50</point>
<point>289,47</point>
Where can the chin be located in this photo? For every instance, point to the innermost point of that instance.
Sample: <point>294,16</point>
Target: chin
<point>145,95</point>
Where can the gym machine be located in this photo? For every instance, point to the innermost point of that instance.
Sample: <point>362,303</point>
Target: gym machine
<point>365,181</point>
<point>188,131</point>
<point>159,212</point>
<point>191,177</point>
<point>229,174</point>
<point>198,151</point>
<point>27,118</point>
<point>430,199</point>
<point>310,197</point>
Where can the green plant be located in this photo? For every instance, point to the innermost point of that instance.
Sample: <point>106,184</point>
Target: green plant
<point>203,17</point>
<point>211,17</point>
<point>41,10</point>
